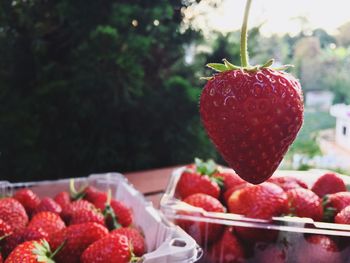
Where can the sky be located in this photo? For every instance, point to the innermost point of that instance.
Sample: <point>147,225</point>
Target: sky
<point>277,16</point>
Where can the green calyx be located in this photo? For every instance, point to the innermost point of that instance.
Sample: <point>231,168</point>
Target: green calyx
<point>245,66</point>
<point>74,193</point>
<point>205,168</point>
<point>328,211</point>
<point>208,168</point>
<point>108,211</point>
<point>43,252</point>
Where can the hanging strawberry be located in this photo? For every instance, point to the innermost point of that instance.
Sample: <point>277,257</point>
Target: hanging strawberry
<point>252,114</point>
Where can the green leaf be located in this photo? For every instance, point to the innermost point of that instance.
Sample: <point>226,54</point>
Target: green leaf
<point>218,67</point>
<point>205,168</point>
<point>206,78</point>
<point>229,65</point>
<point>268,63</point>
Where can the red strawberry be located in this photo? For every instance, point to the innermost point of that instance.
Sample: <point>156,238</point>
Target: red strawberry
<point>93,195</point>
<point>267,253</point>
<point>28,199</point>
<point>50,222</point>
<point>87,215</point>
<point>122,212</point>
<point>318,249</point>
<point>63,199</point>
<point>135,238</point>
<point>31,252</point>
<point>227,250</point>
<point>27,234</point>
<point>328,183</point>
<point>104,250</point>
<point>77,238</point>
<point>75,206</point>
<point>48,204</point>
<point>343,217</point>
<point>228,192</point>
<point>258,201</point>
<point>1,259</point>
<point>13,213</point>
<point>252,117</point>
<point>252,114</point>
<point>305,203</point>
<point>288,182</point>
<point>334,203</point>
<point>199,180</point>
<point>202,232</point>
<point>229,178</point>
<point>5,229</point>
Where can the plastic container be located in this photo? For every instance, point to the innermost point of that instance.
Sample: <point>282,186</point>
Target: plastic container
<point>281,239</point>
<point>165,241</point>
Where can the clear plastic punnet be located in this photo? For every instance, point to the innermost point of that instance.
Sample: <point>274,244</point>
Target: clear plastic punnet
<point>282,239</point>
<point>165,242</point>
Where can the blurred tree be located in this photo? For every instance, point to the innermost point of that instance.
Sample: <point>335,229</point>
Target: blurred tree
<point>324,38</point>
<point>335,75</point>
<point>92,86</point>
<point>343,36</point>
<point>307,62</point>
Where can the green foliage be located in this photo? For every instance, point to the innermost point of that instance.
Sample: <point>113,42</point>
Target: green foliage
<point>94,86</point>
<point>305,142</point>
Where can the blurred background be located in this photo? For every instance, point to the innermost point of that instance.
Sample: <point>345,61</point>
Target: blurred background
<point>95,86</point>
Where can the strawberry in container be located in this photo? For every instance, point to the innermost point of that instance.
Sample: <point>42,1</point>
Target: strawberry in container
<point>107,220</point>
<point>275,221</point>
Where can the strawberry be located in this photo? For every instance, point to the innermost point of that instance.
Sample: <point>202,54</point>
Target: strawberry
<point>202,232</point>
<point>1,259</point>
<point>50,222</point>
<point>226,195</point>
<point>135,238</point>
<point>318,249</point>
<point>63,199</point>
<point>87,215</point>
<point>267,253</point>
<point>288,182</point>
<point>75,206</point>
<point>258,201</point>
<point>334,203</point>
<point>343,217</point>
<point>305,203</point>
<point>28,199</point>
<point>77,238</point>
<point>48,204</point>
<point>242,111</point>
<point>199,180</point>
<point>93,195</point>
<point>5,229</point>
<point>31,252</point>
<point>27,234</point>
<point>13,213</point>
<point>252,114</point>
<point>229,178</point>
<point>123,214</point>
<point>227,250</point>
<point>328,183</point>
<point>104,250</point>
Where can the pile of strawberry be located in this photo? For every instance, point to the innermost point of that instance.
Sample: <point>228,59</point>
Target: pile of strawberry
<point>214,189</point>
<point>86,226</point>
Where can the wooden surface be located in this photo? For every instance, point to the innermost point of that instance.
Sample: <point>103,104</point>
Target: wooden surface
<point>151,183</point>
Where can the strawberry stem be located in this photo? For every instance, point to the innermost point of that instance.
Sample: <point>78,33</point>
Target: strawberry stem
<point>244,36</point>
<point>108,211</point>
